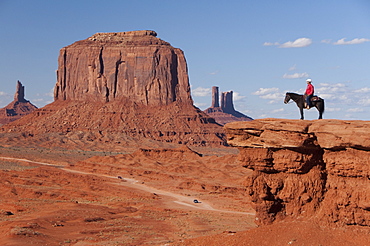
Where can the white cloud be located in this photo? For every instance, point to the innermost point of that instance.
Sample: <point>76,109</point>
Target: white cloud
<point>38,100</point>
<point>332,109</point>
<point>362,90</point>
<point>326,88</point>
<point>353,41</point>
<point>201,92</point>
<point>292,68</point>
<point>295,76</point>
<point>200,105</point>
<point>355,110</point>
<point>364,102</point>
<point>264,91</point>
<point>270,44</point>
<point>326,41</point>
<point>50,93</point>
<point>237,96</point>
<point>298,43</point>
<point>3,93</point>
<point>278,110</point>
<point>272,94</point>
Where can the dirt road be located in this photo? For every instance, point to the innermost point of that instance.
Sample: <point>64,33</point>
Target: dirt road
<point>187,201</point>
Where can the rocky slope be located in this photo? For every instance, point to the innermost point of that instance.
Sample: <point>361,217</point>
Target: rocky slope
<point>316,170</point>
<point>113,126</point>
<point>18,108</point>
<point>225,113</point>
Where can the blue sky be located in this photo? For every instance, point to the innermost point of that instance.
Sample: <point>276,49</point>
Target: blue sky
<point>258,49</point>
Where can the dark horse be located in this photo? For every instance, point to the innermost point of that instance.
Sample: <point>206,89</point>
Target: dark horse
<point>299,100</point>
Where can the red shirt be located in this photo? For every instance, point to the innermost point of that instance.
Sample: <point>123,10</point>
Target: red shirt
<point>309,89</point>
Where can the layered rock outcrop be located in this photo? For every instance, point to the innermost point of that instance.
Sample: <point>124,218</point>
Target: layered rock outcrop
<point>120,89</point>
<point>226,112</point>
<point>136,65</point>
<point>18,108</point>
<point>306,169</point>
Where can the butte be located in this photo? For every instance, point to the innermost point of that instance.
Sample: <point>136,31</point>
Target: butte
<point>120,89</point>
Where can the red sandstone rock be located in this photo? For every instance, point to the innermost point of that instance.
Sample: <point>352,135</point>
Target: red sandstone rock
<point>226,113</point>
<point>18,108</point>
<point>119,89</point>
<point>310,169</point>
<point>136,65</point>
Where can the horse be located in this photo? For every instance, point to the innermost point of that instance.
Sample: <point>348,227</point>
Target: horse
<point>300,101</point>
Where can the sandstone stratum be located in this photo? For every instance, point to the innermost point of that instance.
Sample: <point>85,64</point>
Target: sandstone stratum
<point>116,89</point>
<point>18,108</point>
<point>316,170</point>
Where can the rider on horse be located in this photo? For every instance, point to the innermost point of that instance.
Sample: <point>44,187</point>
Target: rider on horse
<point>309,93</point>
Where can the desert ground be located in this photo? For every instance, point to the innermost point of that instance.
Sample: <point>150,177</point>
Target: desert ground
<point>67,198</point>
<point>142,197</point>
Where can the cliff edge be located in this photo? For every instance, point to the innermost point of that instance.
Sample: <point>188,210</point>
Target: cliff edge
<point>318,170</point>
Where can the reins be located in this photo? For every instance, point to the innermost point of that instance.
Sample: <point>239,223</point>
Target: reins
<point>293,100</point>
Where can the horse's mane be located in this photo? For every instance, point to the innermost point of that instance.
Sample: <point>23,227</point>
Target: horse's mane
<point>292,93</point>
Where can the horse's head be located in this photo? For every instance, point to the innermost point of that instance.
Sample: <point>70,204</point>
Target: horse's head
<point>287,98</point>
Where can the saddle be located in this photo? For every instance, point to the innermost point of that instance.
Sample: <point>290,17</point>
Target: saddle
<point>313,99</point>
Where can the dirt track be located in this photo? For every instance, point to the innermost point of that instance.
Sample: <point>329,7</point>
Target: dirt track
<point>62,203</point>
<point>136,184</point>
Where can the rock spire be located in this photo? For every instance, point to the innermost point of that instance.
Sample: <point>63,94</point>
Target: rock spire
<point>227,104</point>
<point>18,108</point>
<point>215,97</point>
<point>226,112</point>
<point>19,93</point>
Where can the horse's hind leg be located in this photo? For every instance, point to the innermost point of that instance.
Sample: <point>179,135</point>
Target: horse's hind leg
<point>320,112</point>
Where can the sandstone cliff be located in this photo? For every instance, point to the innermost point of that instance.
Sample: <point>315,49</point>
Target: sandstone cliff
<point>306,169</point>
<point>18,108</point>
<point>119,89</point>
<point>225,113</point>
<point>136,65</point>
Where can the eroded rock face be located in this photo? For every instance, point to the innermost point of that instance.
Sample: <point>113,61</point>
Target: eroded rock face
<point>136,65</point>
<point>18,108</point>
<point>314,169</point>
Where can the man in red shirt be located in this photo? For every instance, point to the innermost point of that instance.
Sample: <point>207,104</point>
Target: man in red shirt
<point>309,92</point>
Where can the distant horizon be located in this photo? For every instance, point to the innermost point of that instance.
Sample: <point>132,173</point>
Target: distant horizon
<point>259,50</point>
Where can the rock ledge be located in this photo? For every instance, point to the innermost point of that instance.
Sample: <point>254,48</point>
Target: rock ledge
<point>314,169</point>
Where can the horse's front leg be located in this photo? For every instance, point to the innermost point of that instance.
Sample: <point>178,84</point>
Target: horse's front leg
<point>301,111</point>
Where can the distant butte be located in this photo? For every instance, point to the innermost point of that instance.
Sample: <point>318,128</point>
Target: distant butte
<point>226,113</point>
<point>18,108</point>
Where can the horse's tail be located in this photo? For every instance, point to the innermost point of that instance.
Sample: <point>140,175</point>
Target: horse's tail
<point>322,106</point>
